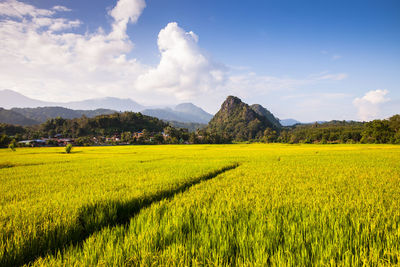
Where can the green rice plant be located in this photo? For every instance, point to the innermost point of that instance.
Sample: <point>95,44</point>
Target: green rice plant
<point>222,205</point>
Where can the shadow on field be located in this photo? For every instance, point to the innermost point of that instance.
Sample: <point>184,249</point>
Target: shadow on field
<point>10,165</point>
<point>91,219</point>
<point>72,152</point>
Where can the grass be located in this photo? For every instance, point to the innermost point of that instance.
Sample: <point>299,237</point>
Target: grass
<point>201,205</point>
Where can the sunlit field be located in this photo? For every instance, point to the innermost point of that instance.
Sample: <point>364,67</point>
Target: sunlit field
<point>241,204</point>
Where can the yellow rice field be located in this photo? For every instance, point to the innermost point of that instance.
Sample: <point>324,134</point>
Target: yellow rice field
<point>240,204</point>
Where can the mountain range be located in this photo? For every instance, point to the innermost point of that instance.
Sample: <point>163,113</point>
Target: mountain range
<point>11,99</point>
<point>23,110</point>
<point>38,111</point>
<point>32,116</point>
<point>289,122</point>
<point>185,112</point>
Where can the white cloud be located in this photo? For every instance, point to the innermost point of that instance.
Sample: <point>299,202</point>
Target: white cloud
<point>124,12</point>
<point>13,8</point>
<point>56,24</point>
<point>183,69</point>
<point>334,77</point>
<point>61,8</point>
<point>370,104</point>
<point>38,58</point>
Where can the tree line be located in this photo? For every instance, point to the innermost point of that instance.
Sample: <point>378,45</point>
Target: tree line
<point>88,131</point>
<point>385,131</point>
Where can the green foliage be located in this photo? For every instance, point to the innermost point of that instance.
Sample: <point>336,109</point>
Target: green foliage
<point>68,148</point>
<point>84,141</point>
<point>4,140</point>
<point>13,145</point>
<point>260,110</point>
<point>10,129</point>
<point>191,126</point>
<point>241,122</point>
<point>102,125</point>
<point>270,136</point>
<point>127,137</point>
<point>329,132</point>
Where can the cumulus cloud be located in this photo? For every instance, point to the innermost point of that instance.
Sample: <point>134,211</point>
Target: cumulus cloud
<point>38,56</point>
<point>183,69</point>
<point>124,12</point>
<point>370,104</point>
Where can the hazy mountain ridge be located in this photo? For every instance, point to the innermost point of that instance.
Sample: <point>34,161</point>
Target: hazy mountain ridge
<point>32,116</point>
<point>289,122</point>
<point>194,110</point>
<point>42,114</point>
<point>118,104</point>
<point>11,99</point>
<point>185,112</point>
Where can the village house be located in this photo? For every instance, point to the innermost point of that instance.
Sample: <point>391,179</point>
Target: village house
<point>137,134</point>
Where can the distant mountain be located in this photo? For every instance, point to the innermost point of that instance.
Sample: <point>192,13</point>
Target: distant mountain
<point>11,99</point>
<point>42,114</point>
<point>194,111</point>
<point>186,112</point>
<point>113,103</point>
<point>239,121</point>
<point>12,117</point>
<point>289,122</point>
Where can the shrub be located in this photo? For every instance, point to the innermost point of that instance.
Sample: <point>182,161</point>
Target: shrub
<point>12,145</point>
<point>68,148</point>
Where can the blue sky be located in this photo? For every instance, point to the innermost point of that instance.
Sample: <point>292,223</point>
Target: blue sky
<point>308,60</point>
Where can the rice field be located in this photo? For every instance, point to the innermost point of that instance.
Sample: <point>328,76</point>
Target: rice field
<point>201,205</point>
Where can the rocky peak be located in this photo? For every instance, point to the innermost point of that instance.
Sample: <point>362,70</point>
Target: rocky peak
<point>230,103</point>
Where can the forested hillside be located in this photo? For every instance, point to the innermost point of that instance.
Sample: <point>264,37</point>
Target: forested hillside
<point>241,122</point>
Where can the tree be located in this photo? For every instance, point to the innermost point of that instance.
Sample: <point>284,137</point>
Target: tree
<point>193,139</point>
<point>146,134</point>
<point>4,140</point>
<point>158,138</point>
<point>270,135</point>
<point>377,131</point>
<point>126,137</point>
